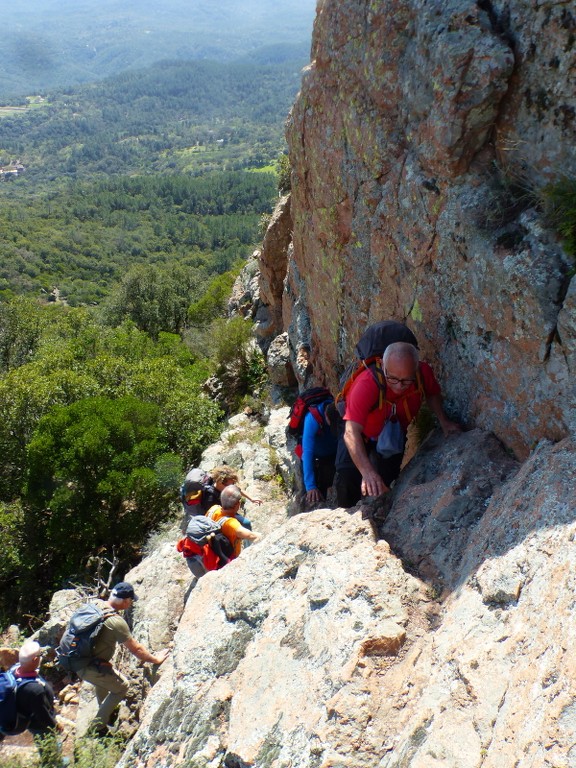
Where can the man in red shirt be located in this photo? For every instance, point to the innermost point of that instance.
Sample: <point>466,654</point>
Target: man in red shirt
<point>398,390</point>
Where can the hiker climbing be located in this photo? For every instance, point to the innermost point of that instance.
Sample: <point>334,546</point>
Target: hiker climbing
<point>27,702</point>
<point>88,645</point>
<point>316,442</point>
<point>204,547</point>
<point>228,511</point>
<point>380,399</point>
<point>201,490</point>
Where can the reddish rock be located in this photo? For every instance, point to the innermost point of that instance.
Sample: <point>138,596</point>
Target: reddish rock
<point>8,657</point>
<point>416,129</point>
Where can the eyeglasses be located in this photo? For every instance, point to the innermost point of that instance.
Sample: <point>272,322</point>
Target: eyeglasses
<point>395,381</point>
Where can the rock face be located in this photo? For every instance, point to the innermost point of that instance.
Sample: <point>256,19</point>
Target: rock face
<point>433,626</point>
<point>446,643</point>
<point>420,144</point>
<point>272,261</point>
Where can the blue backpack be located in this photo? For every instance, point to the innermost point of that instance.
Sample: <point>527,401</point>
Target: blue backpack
<point>11,723</point>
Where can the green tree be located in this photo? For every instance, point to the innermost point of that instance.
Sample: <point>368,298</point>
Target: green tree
<point>28,393</point>
<point>76,358</point>
<point>284,174</point>
<point>214,301</point>
<point>155,300</point>
<point>11,533</point>
<point>192,422</point>
<point>20,328</point>
<point>91,483</point>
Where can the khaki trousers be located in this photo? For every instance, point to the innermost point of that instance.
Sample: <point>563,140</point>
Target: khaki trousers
<point>111,687</point>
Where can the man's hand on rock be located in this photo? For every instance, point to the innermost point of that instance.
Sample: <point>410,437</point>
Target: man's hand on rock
<point>161,656</point>
<point>373,485</point>
<point>450,427</point>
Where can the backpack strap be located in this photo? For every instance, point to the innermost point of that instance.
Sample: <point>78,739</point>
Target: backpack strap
<point>313,409</point>
<point>375,368</point>
<point>404,399</point>
<point>372,364</point>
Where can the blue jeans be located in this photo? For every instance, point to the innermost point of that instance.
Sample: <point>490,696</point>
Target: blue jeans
<point>244,521</point>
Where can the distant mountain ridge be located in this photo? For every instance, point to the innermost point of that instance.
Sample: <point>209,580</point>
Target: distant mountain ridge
<point>48,43</point>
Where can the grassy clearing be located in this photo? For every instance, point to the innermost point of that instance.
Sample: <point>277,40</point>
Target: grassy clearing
<point>11,111</point>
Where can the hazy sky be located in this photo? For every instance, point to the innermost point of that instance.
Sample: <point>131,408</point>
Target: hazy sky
<point>65,14</point>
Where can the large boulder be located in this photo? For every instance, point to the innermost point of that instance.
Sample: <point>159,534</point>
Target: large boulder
<point>446,643</point>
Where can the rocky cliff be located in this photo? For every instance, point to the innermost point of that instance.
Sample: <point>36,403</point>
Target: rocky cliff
<point>421,145</point>
<point>447,642</point>
<point>434,626</point>
<point>430,627</point>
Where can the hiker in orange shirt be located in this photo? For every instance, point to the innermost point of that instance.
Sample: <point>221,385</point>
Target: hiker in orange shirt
<point>232,528</point>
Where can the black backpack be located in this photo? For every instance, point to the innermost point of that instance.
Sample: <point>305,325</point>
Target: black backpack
<point>198,483</point>
<point>11,723</point>
<point>306,402</point>
<point>370,349</point>
<point>77,643</point>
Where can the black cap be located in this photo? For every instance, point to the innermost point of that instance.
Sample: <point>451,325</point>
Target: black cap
<point>123,590</point>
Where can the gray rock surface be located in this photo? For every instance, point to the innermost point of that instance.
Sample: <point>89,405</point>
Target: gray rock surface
<point>278,362</point>
<point>446,643</point>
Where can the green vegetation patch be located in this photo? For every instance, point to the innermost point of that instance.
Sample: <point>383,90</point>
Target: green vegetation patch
<point>560,197</point>
<point>98,424</point>
<point>82,240</point>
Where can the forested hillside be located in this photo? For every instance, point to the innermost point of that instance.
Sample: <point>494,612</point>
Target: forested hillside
<point>192,116</point>
<point>76,243</point>
<point>109,175</point>
<point>136,203</point>
<point>50,43</point>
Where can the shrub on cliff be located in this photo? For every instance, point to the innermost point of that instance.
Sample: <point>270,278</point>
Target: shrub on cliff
<point>91,483</point>
<point>561,199</point>
<point>284,174</point>
<point>240,366</point>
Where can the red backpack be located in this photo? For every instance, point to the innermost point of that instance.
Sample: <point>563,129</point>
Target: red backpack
<point>306,402</point>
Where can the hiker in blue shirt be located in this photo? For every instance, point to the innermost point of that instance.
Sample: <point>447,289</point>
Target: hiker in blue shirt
<point>318,456</point>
